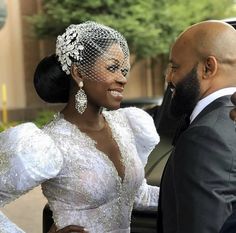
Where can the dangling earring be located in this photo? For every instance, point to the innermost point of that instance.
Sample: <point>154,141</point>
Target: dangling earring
<point>81,99</point>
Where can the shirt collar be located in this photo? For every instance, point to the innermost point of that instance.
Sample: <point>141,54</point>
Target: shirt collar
<point>209,99</point>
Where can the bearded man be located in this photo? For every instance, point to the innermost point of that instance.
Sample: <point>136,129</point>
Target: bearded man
<point>198,187</point>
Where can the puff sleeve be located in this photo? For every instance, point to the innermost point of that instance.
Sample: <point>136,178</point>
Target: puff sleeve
<point>28,157</point>
<point>144,130</point>
<point>146,138</point>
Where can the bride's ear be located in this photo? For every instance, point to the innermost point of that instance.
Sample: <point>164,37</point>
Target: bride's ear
<point>75,74</point>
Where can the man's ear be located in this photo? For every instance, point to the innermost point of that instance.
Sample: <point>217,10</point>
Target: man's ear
<point>210,67</point>
<point>75,74</point>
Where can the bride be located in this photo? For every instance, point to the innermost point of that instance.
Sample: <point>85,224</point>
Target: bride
<point>88,160</point>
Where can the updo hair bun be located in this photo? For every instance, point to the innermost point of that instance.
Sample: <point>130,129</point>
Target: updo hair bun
<point>51,83</point>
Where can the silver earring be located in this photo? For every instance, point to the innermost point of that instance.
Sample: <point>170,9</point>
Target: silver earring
<point>81,99</point>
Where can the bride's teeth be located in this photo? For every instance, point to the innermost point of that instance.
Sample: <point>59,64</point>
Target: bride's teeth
<point>115,93</point>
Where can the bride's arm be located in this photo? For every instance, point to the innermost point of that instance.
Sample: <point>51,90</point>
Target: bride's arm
<point>28,157</point>
<point>147,197</point>
<point>146,138</point>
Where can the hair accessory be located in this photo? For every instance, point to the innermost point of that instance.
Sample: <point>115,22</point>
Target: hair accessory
<point>81,99</point>
<point>82,43</point>
<point>67,48</point>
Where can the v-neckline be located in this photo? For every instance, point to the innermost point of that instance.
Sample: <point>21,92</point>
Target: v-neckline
<point>93,143</point>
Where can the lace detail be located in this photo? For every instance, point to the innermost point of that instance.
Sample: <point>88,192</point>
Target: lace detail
<point>80,182</point>
<point>146,137</point>
<point>28,157</point>
<point>147,196</point>
<point>88,191</point>
<point>6,226</point>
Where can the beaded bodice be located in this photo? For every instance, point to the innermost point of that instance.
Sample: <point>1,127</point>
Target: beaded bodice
<point>87,189</point>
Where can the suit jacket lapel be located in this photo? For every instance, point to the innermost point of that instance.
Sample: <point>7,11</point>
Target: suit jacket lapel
<point>222,101</point>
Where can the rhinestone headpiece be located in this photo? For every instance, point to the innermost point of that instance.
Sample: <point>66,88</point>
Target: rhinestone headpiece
<point>71,45</point>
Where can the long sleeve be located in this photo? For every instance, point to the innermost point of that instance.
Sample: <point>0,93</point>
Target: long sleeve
<point>144,131</point>
<point>28,157</point>
<point>205,188</point>
<point>146,138</point>
<point>147,197</point>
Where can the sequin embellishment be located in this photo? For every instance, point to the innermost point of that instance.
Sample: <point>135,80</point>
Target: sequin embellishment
<point>4,163</point>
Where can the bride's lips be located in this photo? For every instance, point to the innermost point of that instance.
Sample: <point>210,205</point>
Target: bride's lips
<point>116,93</point>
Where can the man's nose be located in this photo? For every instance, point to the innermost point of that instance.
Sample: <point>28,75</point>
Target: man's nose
<point>168,76</point>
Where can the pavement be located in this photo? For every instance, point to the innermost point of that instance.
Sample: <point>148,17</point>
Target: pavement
<point>26,212</point>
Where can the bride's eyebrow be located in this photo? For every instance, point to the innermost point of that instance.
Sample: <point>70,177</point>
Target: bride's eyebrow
<point>114,59</point>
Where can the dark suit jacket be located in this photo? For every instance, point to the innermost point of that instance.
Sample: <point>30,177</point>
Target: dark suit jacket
<point>198,187</point>
<point>230,224</point>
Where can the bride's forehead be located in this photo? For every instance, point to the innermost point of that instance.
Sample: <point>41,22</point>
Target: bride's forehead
<point>114,53</point>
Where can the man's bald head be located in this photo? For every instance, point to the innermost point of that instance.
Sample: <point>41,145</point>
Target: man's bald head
<point>214,38</point>
<point>210,48</point>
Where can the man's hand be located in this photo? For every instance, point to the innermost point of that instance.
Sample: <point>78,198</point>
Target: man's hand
<point>68,229</point>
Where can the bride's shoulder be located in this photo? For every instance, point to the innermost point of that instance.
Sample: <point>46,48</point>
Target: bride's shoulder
<point>26,141</point>
<point>21,132</point>
<point>139,120</point>
<point>28,154</point>
<point>143,128</point>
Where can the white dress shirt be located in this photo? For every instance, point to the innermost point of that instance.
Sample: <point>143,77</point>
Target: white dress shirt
<point>209,99</point>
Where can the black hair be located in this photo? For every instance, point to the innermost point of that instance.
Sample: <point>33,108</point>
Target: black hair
<point>51,83</point>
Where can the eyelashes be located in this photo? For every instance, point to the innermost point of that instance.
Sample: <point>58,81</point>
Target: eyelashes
<point>115,68</point>
<point>125,71</point>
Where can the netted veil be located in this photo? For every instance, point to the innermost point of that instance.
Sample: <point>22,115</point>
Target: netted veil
<point>83,43</point>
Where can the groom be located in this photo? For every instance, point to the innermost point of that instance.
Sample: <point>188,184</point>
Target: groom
<point>198,187</point>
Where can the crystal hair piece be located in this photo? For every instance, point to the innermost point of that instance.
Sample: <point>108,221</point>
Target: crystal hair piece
<point>67,47</point>
<point>71,46</point>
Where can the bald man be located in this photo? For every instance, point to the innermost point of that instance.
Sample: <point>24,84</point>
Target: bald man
<point>198,187</point>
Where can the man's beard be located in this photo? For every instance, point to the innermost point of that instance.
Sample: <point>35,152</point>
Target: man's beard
<point>186,96</point>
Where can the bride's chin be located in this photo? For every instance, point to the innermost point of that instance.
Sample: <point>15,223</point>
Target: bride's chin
<point>113,107</point>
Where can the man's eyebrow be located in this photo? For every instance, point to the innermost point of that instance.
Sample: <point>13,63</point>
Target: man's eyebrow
<point>171,61</point>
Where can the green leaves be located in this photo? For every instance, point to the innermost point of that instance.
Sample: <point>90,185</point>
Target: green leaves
<point>150,27</point>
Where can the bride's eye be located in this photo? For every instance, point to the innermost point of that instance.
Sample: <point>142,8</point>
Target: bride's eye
<point>124,72</point>
<point>113,68</point>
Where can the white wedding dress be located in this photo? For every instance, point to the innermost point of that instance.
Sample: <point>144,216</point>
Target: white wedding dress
<point>80,182</point>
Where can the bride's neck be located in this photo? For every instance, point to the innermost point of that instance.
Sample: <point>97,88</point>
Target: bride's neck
<point>91,119</point>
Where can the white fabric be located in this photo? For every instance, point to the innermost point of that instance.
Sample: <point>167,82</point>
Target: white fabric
<point>28,157</point>
<point>85,189</point>
<point>6,226</point>
<point>209,99</point>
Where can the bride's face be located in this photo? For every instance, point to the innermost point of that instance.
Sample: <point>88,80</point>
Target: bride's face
<point>108,77</point>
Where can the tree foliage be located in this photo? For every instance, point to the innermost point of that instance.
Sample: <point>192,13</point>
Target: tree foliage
<point>150,26</point>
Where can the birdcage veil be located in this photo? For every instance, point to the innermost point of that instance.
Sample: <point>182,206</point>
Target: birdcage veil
<point>82,44</point>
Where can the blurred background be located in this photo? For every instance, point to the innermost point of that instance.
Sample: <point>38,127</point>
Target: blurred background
<point>28,30</point>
